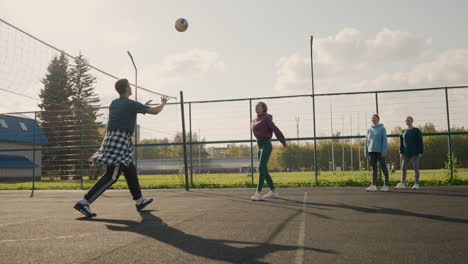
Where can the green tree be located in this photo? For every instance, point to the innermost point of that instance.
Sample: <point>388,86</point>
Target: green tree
<point>155,152</point>
<point>452,164</point>
<point>85,105</point>
<point>198,150</point>
<point>238,151</point>
<point>171,151</point>
<point>428,128</point>
<point>460,147</point>
<point>56,118</point>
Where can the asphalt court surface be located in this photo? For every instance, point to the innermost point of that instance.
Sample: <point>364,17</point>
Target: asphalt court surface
<point>306,225</point>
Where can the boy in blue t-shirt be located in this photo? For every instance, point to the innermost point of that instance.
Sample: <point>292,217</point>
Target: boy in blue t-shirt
<point>116,149</point>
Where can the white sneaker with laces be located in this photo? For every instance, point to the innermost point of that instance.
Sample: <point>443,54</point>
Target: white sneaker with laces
<point>400,185</point>
<point>415,187</point>
<point>372,188</point>
<point>271,195</point>
<point>256,197</point>
<point>385,188</point>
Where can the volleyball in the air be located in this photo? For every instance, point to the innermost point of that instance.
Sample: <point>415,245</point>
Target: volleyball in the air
<point>181,24</point>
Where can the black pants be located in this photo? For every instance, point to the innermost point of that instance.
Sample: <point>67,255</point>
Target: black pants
<point>374,158</point>
<point>111,176</point>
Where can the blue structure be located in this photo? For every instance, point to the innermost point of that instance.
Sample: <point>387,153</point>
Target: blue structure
<point>18,133</point>
<point>20,130</point>
<point>11,161</point>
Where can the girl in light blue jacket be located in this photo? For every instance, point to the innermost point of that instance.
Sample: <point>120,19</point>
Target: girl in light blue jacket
<point>376,150</point>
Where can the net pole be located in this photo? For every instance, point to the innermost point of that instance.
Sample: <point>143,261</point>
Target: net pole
<point>313,108</point>
<point>377,112</point>
<point>191,145</point>
<point>377,102</point>
<point>184,140</point>
<point>251,143</point>
<point>449,134</point>
<point>351,142</point>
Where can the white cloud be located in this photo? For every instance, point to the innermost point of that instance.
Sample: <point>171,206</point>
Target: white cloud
<point>450,68</point>
<point>174,72</point>
<point>292,73</point>
<point>192,64</point>
<point>396,45</point>
<point>342,59</point>
<point>349,47</point>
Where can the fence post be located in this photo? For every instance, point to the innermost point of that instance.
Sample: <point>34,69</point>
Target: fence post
<point>81,149</point>
<point>251,143</point>
<point>34,156</point>
<point>377,112</point>
<point>313,109</point>
<point>184,140</point>
<point>377,102</point>
<point>190,139</point>
<point>449,134</point>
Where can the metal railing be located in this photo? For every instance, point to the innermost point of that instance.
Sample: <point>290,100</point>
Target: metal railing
<point>73,140</point>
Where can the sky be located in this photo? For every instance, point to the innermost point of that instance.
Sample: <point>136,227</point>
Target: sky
<point>237,49</point>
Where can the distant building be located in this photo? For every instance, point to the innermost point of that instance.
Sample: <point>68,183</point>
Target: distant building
<point>215,152</point>
<point>20,132</point>
<point>214,165</point>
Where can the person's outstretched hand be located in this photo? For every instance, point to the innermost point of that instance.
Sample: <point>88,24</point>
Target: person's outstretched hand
<point>164,99</point>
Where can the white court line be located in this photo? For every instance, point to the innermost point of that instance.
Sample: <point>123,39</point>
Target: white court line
<point>46,217</point>
<point>41,238</point>
<point>301,237</point>
<point>36,219</point>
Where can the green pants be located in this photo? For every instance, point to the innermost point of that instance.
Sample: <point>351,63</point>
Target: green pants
<point>264,151</point>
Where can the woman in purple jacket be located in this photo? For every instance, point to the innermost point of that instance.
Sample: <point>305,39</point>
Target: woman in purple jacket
<point>263,129</point>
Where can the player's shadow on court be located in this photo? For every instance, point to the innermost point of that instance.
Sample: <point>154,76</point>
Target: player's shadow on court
<point>378,210</point>
<point>280,202</point>
<point>214,249</point>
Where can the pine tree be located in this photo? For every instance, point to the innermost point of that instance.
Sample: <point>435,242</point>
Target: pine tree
<point>56,117</point>
<point>85,105</point>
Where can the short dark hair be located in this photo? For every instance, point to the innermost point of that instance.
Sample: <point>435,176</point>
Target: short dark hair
<point>377,116</point>
<point>410,117</point>
<point>121,85</point>
<point>264,106</point>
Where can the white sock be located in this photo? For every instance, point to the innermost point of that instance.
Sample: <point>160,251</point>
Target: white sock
<point>140,200</point>
<point>84,202</point>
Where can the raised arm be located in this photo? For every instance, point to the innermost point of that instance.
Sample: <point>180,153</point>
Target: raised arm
<point>156,110</point>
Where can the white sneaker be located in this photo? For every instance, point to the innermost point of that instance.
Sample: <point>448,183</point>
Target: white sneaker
<point>271,195</point>
<point>400,185</point>
<point>372,188</point>
<point>142,203</point>
<point>415,187</point>
<point>385,188</point>
<point>256,197</point>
